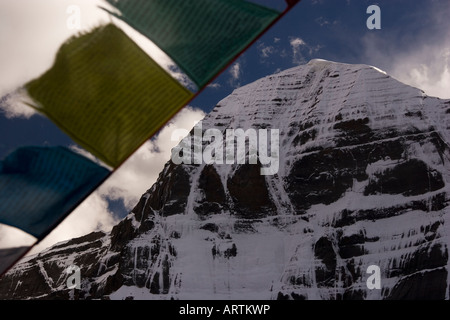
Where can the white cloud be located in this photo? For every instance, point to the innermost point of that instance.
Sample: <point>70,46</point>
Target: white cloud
<point>127,184</point>
<point>427,67</point>
<point>265,51</point>
<point>12,106</point>
<point>322,21</point>
<point>13,237</point>
<point>299,48</point>
<point>91,215</point>
<point>429,71</point>
<point>297,42</point>
<point>420,59</point>
<point>296,45</point>
<point>214,85</point>
<point>235,72</point>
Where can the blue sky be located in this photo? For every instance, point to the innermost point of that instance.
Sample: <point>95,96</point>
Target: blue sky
<point>413,45</point>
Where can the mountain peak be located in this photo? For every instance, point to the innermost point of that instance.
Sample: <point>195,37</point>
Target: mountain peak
<point>363,181</point>
<point>321,63</point>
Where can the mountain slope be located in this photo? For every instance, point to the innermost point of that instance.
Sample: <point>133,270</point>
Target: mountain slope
<point>363,179</point>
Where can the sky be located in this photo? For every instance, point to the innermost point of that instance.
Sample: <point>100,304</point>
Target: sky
<point>413,46</point>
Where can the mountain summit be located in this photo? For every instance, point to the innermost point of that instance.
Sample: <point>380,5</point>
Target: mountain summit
<point>362,183</point>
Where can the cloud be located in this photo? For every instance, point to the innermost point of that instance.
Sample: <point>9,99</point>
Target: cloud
<point>322,21</point>
<point>268,52</point>
<point>300,48</point>
<point>429,71</point>
<point>265,51</point>
<point>127,184</point>
<point>91,215</point>
<point>13,237</point>
<point>214,85</point>
<point>235,72</point>
<point>418,57</point>
<point>12,106</point>
<point>297,44</point>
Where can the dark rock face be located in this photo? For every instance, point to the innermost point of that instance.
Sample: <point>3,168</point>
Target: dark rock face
<point>248,190</point>
<point>214,200</point>
<point>324,252</point>
<point>421,286</point>
<point>399,180</point>
<point>171,195</point>
<point>363,180</point>
<point>321,177</point>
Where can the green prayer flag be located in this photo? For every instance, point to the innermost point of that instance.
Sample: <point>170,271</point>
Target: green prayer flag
<point>201,36</point>
<point>107,94</point>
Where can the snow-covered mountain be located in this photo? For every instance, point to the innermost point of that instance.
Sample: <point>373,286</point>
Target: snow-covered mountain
<point>363,179</point>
